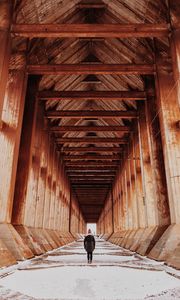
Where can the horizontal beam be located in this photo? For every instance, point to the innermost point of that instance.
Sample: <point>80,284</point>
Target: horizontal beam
<point>55,114</point>
<point>91,5</point>
<point>90,140</point>
<point>84,172</point>
<point>89,185</point>
<point>91,181</point>
<point>89,178</point>
<point>90,30</point>
<point>92,95</point>
<point>104,157</point>
<point>89,163</point>
<point>91,149</point>
<point>90,168</point>
<point>85,69</point>
<point>90,128</point>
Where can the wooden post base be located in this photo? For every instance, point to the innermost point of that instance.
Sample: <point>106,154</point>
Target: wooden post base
<point>6,258</point>
<point>166,249</point>
<point>149,238</point>
<point>14,242</point>
<point>29,239</point>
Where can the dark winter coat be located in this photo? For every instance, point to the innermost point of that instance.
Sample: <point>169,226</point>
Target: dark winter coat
<point>89,243</point>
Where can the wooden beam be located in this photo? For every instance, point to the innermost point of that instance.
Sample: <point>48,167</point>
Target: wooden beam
<point>104,157</point>
<point>90,140</point>
<point>92,95</point>
<point>85,69</point>
<point>92,178</point>
<point>94,181</point>
<point>91,149</point>
<point>70,175</point>
<point>90,168</point>
<point>90,30</point>
<point>90,128</point>
<point>91,5</point>
<point>84,172</point>
<point>91,163</point>
<point>55,114</point>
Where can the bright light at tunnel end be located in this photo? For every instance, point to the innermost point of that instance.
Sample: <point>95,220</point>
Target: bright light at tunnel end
<point>91,226</point>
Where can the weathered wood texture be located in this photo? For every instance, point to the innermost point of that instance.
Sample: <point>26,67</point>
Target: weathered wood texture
<point>85,69</point>
<point>85,114</point>
<point>10,138</point>
<point>92,95</point>
<point>5,42</point>
<point>90,30</point>
<point>169,114</point>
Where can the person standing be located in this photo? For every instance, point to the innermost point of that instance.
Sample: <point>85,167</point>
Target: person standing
<point>89,245</point>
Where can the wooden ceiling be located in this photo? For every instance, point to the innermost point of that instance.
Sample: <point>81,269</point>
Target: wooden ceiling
<point>93,57</point>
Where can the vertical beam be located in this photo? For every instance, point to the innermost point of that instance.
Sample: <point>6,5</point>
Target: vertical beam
<point>169,115</point>
<point>139,183</point>
<point>133,183</point>
<point>156,157</point>
<point>10,138</point>
<point>41,188</point>
<point>174,14</point>
<point>25,152</point>
<point>70,209</point>
<point>5,23</point>
<point>149,191</point>
<point>113,215</point>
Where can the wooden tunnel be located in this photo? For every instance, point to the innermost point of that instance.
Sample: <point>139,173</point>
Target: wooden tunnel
<point>89,125</point>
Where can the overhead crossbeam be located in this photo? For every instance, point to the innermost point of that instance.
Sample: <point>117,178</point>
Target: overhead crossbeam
<point>95,157</point>
<point>85,69</point>
<point>91,168</point>
<point>55,114</point>
<point>92,95</point>
<point>90,128</point>
<point>90,30</point>
<point>91,163</point>
<point>90,140</point>
<point>90,149</point>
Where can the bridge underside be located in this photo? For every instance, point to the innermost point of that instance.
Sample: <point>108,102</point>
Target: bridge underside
<point>89,125</point>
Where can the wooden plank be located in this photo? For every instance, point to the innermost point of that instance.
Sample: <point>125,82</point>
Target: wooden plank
<point>91,181</point>
<point>91,140</point>
<point>91,149</point>
<point>85,69</point>
<point>92,178</point>
<point>55,114</point>
<point>90,168</point>
<point>90,128</point>
<point>90,30</point>
<point>92,95</point>
<point>76,157</point>
<point>89,163</point>
<point>86,172</point>
<point>80,175</point>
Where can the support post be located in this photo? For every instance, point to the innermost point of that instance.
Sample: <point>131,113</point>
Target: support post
<point>6,7</point>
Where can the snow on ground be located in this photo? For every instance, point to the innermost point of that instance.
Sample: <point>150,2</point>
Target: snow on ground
<point>119,279</point>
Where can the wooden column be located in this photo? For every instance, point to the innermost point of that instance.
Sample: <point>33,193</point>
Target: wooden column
<point>169,115</point>
<point>174,14</point>
<point>10,138</point>
<point>25,152</point>
<point>134,187</point>
<point>149,189</point>
<point>5,42</point>
<point>9,146</point>
<point>70,206</point>
<point>48,184</point>
<point>139,183</point>
<point>156,158</point>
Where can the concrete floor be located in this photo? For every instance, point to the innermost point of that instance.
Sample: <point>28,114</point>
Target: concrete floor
<point>114,274</point>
